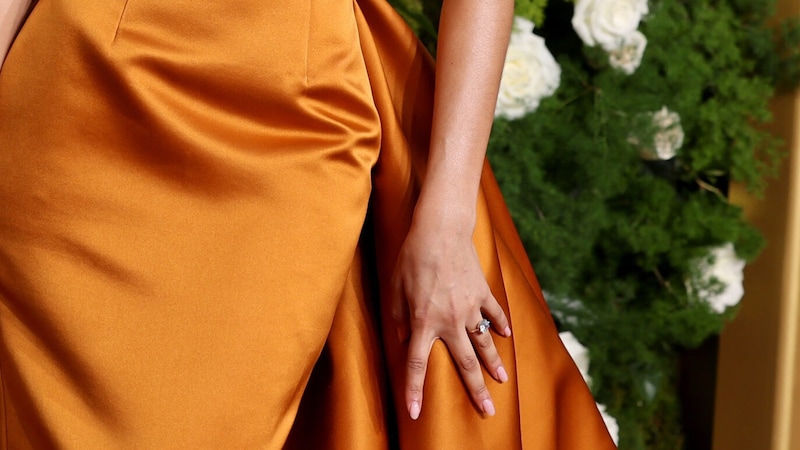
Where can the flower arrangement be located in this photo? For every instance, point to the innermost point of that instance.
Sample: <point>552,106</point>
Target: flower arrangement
<point>618,127</point>
<point>529,74</point>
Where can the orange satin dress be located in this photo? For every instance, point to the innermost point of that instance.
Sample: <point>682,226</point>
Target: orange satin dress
<point>202,202</point>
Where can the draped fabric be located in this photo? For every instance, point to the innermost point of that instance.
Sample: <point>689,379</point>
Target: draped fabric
<point>202,205</point>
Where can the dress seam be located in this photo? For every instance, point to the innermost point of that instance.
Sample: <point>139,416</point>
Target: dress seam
<point>119,22</point>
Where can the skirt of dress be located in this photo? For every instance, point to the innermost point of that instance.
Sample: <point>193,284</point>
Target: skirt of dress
<point>201,205</point>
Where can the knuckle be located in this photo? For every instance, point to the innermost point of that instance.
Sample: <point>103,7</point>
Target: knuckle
<point>421,314</point>
<point>499,324</point>
<point>484,342</point>
<point>496,308</point>
<point>420,317</point>
<point>421,323</point>
<point>416,365</point>
<point>481,391</point>
<point>452,317</point>
<point>469,363</point>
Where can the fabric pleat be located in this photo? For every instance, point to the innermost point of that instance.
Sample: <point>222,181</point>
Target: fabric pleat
<point>545,404</point>
<point>202,205</point>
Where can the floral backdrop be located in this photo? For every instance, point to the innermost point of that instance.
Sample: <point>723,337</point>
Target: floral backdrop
<point>619,125</point>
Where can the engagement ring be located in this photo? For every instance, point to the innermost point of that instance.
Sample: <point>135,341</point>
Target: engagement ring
<point>482,327</point>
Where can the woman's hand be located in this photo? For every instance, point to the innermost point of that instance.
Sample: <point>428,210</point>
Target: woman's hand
<point>440,292</point>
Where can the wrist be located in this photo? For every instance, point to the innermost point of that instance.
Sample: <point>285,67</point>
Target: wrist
<point>453,215</point>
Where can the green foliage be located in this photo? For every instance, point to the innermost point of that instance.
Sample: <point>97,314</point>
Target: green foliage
<point>621,234</point>
<point>532,10</point>
<point>614,238</point>
<point>423,16</point>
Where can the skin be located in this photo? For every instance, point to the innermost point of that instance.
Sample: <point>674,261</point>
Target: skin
<point>11,14</point>
<point>440,291</point>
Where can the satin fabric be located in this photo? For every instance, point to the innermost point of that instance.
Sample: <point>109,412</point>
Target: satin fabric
<point>202,206</point>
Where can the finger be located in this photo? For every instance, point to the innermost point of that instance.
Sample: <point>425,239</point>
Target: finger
<point>492,309</point>
<point>484,345</point>
<point>399,311</point>
<point>419,350</point>
<point>470,368</point>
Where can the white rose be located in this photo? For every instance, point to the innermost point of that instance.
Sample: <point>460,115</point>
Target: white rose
<point>611,423</point>
<point>667,137</point>
<point>667,142</point>
<point>628,55</point>
<point>650,390</point>
<point>578,352</point>
<point>664,118</point>
<point>723,266</point>
<point>607,22</point>
<point>530,73</point>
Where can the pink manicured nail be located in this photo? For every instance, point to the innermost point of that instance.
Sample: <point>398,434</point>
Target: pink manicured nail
<point>488,407</point>
<point>413,410</point>
<point>507,332</point>
<point>501,374</point>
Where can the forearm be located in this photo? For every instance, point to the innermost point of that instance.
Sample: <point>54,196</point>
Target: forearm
<point>12,12</point>
<point>473,36</point>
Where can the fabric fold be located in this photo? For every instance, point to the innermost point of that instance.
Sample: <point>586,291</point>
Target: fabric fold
<point>545,404</point>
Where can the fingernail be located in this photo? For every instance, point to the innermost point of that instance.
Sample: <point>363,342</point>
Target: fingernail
<point>488,407</point>
<point>501,374</point>
<point>507,332</point>
<point>413,410</point>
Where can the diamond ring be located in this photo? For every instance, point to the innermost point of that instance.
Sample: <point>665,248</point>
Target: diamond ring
<point>482,327</point>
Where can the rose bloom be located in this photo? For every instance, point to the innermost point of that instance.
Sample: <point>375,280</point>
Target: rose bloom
<point>668,137</point>
<point>607,22</point>
<point>667,143</point>
<point>578,352</point>
<point>530,73</point>
<point>724,267</point>
<point>628,55</point>
<point>664,118</point>
<point>611,423</point>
